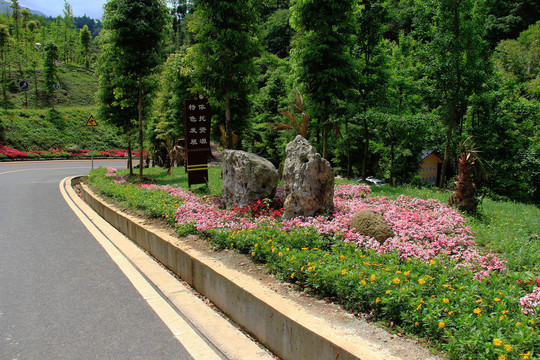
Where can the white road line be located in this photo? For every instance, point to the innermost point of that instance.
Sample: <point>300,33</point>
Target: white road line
<point>183,332</point>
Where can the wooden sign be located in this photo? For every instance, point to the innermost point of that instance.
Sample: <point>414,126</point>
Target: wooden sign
<point>197,120</point>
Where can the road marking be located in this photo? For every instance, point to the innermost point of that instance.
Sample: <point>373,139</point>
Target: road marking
<point>181,329</point>
<point>47,169</point>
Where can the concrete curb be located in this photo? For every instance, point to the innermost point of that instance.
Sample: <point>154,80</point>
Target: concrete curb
<point>278,323</point>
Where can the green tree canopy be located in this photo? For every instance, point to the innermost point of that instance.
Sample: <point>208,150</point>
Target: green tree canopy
<point>223,57</point>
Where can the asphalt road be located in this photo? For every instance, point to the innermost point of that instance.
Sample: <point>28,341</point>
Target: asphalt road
<point>61,296</point>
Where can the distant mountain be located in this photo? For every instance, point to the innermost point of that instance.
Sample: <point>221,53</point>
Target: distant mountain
<point>6,8</point>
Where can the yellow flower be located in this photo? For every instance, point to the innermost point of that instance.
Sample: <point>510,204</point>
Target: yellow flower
<point>416,323</point>
<point>501,318</point>
<point>477,311</point>
<point>518,324</point>
<point>505,312</point>
<point>441,324</point>
<point>388,292</point>
<point>479,301</point>
<point>373,277</point>
<point>526,356</point>
<point>292,276</point>
<point>496,299</point>
<point>253,253</point>
<point>343,272</point>
<point>432,262</point>
<point>502,357</point>
<point>508,347</point>
<point>342,257</point>
<point>497,342</point>
<point>280,254</point>
<point>445,300</point>
<point>378,300</point>
<point>421,281</point>
<point>407,273</point>
<point>363,282</point>
<point>396,281</point>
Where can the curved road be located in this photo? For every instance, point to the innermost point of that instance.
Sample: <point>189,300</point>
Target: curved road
<point>61,296</point>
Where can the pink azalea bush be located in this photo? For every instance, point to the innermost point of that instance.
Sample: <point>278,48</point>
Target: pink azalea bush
<point>11,152</point>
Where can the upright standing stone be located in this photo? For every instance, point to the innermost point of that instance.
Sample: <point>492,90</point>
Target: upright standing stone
<point>309,181</point>
<point>247,178</point>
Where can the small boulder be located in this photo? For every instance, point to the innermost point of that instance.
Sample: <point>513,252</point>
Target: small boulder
<point>247,178</point>
<point>308,181</point>
<point>373,224</point>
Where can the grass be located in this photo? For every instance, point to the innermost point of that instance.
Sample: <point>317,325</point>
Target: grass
<point>466,318</point>
<point>41,129</point>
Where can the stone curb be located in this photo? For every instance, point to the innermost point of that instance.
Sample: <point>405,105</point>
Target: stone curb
<point>286,329</point>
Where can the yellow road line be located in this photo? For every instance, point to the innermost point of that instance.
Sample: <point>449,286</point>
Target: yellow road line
<point>115,246</point>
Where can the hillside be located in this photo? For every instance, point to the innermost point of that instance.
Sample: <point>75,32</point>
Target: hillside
<point>78,87</point>
<point>27,130</point>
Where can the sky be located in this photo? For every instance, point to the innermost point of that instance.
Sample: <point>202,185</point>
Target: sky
<point>92,8</point>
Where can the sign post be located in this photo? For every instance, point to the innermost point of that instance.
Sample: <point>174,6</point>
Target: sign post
<point>197,117</point>
<point>92,122</point>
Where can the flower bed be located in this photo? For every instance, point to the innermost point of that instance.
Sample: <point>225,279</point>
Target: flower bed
<point>430,279</point>
<point>7,152</point>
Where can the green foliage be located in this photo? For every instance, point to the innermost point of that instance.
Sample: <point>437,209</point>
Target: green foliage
<point>427,299</point>
<point>223,58</point>
<point>322,57</point>
<point>455,57</point>
<point>155,203</point>
<point>518,61</point>
<point>135,33</point>
<point>463,317</point>
<point>51,51</point>
<point>39,130</point>
<point>174,90</point>
<point>506,130</point>
<point>278,33</point>
<point>85,38</point>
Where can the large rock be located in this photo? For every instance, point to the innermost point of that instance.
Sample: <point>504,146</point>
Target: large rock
<point>247,178</point>
<point>309,181</point>
<point>373,224</point>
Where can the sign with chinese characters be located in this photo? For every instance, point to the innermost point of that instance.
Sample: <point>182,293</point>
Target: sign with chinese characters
<point>198,115</point>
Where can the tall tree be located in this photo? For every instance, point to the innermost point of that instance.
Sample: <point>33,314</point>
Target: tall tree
<point>455,55</point>
<point>4,44</point>
<point>174,89</point>
<point>223,58</point>
<point>68,25</point>
<point>85,38</point>
<point>51,55</point>
<point>135,31</point>
<point>373,73</point>
<point>324,65</point>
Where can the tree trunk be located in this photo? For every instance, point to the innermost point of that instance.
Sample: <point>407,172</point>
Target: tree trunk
<point>228,130</point>
<point>130,157</point>
<point>449,131</point>
<point>366,149</point>
<point>325,143</point>
<point>141,165</point>
<point>392,157</point>
<point>348,145</point>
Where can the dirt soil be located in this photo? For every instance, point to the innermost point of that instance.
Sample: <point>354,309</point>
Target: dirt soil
<point>381,336</point>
